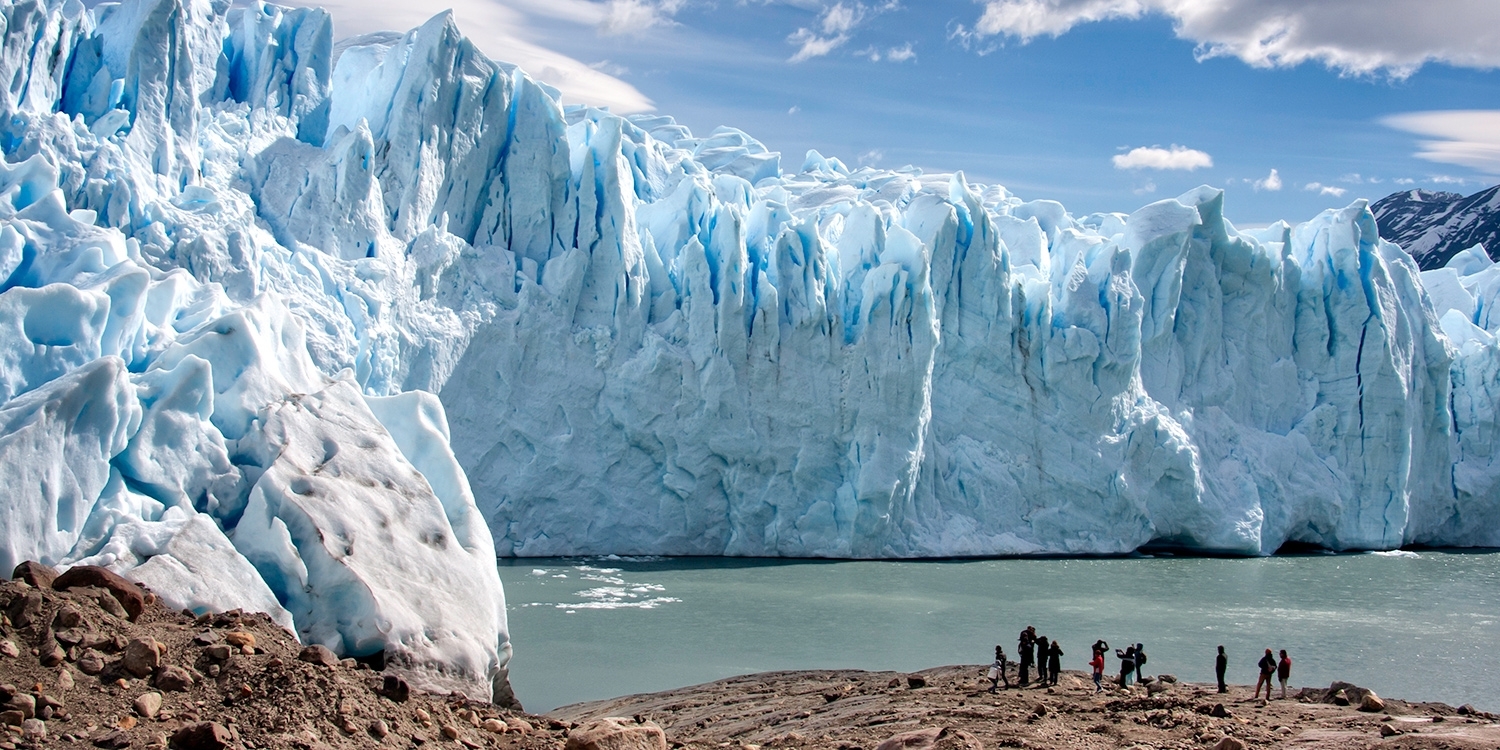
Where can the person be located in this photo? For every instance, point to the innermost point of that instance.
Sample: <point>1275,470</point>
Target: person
<point>1054,663</point>
<point>1127,664</point>
<point>1041,660</point>
<point>1267,666</point>
<point>1221,663</point>
<point>1283,672</point>
<point>1098,664</point>
<point>997,670</point>
<point>1025,645</point>
<point>1140,662</point>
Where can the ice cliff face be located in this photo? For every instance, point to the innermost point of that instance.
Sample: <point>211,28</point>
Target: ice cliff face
<point>239,256</point>
<point>176,399</point>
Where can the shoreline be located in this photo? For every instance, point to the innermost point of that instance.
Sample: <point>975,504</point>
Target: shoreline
<point>858,710</point>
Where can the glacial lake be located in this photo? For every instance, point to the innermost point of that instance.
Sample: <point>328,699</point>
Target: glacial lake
<point>1420,626</point>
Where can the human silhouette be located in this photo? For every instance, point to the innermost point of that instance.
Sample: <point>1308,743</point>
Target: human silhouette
<point>1283,672</point>
<point>1025,645</point>
<point>997,670</point>
<point>1267,666</point>
<point>1054,662</point>
<point>1221,663</point>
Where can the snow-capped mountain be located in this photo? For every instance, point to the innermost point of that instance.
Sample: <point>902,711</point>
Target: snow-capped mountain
<point>1435,226</point>
<point>240,259</point>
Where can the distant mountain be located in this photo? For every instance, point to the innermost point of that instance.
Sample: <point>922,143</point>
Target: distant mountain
<point>1434,226</point>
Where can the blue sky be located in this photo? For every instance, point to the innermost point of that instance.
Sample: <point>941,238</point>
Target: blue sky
<point>1104,105</point>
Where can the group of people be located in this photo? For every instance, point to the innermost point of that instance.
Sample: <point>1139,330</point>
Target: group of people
<point>1047,656</point>
<point>1034,650</point>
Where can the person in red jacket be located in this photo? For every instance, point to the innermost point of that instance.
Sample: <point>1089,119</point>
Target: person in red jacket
<point>1098,664</point>
<point>1283,671</point>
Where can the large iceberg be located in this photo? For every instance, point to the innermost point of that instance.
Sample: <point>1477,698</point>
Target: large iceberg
<point>240,258</point>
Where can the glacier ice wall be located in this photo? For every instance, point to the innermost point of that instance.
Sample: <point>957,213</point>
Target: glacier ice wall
<point>240,256</point>
<point>177,397</point>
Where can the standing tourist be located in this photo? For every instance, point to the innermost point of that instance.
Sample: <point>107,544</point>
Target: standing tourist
<point>1221,663</point>
<point>1283,672</point>
<point>1054,664</point>
<point>1267,666</point>
<point>997,670</point>
<point>1127,664</point>
<point>1098,664</point>
<point>1140,662</point>
<point>1041,660</point>
<point>1025,645</point>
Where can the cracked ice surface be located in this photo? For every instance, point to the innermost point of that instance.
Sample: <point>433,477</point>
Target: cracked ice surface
<point>239,257</point>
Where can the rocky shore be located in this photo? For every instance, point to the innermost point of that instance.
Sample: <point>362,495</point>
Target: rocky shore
<point>950,708</point>
<point>89,659</point>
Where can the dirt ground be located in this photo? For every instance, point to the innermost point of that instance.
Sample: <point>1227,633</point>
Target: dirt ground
<point>260,695</point>
<point>852,709</point>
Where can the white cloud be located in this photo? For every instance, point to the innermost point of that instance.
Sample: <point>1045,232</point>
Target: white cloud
<point>1467,138</point>
<point>869,158</point>
<point>1405,181</point>
<point>634,16</point>
<point>1271,183</point>
<point>1321,189</point>
<point>835,25</point>
<point>1354,36</point>
<point>1156,157</point>
<point>841,19</point>
<point>901,54</point>
<point>794,110</point>
<point>503,32</point>
<point>1148,188</point>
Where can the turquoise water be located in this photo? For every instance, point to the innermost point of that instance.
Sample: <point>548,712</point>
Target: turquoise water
<point>1422,626</point>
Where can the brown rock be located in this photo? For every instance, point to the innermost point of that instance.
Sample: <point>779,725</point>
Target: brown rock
<point>148,705</point>
<point>34,729</point>
<point>24,703</point>
<point>38,575</point>
<point>142,656</point>
<point>318,654</point>
<point>68,616</point>
<point>207,735</point>
<point>65,680</point>
<point>12,718</point>
<point>617,734</point>
<point>130,596</point>
<point>126,723</point>
<point>240,638</point>
<point>518,724</point>
<point>52,655</point>
<point>25,609</point>
<point>90,662</point>
<point>1386,730</point>
<point>914,681</point>
<point>379,729</point>
<point>217,652</point>
<point>493,726</point>
<point>450,731</point>
<point>1371,702</point>
<point>1220,712</point>
<point>1229,743</point>
<point>932,738</point>
<point>175,679</point>
<point>395,688</point>
<point>113,741</point>
<point>8,648</point>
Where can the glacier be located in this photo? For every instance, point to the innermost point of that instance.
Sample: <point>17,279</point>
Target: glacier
<point>320,326</point>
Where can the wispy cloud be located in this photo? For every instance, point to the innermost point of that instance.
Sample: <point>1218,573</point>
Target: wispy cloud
<point>833,29</point>
<point>504,32</point>
<point>1467,138</point>
<point>901,54</point>
<point>1354,36</point>
<point>1321,189</point>
<point>1156,157</point>
<point>1270,183</point>
<point>633,17</point>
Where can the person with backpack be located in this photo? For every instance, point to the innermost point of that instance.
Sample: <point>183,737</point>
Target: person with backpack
<point>1041,660</point>
<point>1054,663</point>
<point>997,670</point>
<point>1098,665</point>
<point>1267,666</point>
<point>1283,672</point>
<point>1140,662</point>
<point>1221,663</point>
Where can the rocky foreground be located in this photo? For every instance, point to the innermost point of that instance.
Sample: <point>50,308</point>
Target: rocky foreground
<point>950,708</point>
<point>88,659</point>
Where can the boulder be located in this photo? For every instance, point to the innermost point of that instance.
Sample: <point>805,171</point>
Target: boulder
<point>1371,702</point>
<point>90,662</point>
<point>395,688</point>
<point>1220,712</point>
<point>318,654</point>
<point>129,595</point>
<point>240,639</point>
<point>38,575</point>
<point>1229,743</point>
<point>617,734</point>
<point>148,705</point>
<point>914,681</point>
<point>142,656</point>
<point>175,679</point>
<point>206,735</point>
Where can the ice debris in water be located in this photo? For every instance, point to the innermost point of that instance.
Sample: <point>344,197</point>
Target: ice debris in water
<point>238,257</point>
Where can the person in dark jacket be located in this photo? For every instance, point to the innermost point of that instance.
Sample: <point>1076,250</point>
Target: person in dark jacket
<point>1041,660</point>
<point>1054,663</point>
<point>1283,672</point>
<point>1026,645</point>
<point>1267,666</point>
<point>1221,663</point>
<point>1140,662</point>
<point>1127,664</point>
<point>997,670</point>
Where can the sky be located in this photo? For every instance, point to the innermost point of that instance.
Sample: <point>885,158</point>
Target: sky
<point>1292,106</point>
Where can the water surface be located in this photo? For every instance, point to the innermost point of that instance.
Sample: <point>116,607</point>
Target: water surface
<point>1420,626</point>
